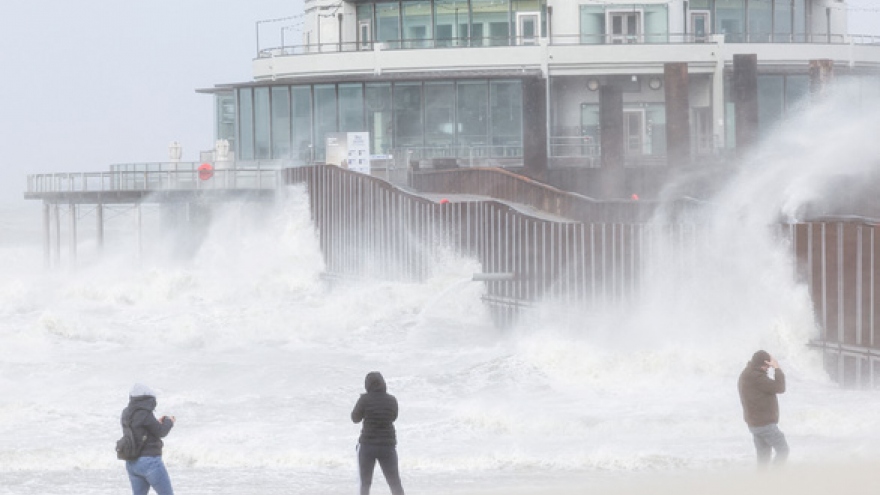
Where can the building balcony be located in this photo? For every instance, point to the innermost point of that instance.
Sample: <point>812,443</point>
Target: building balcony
<point>566,55</point>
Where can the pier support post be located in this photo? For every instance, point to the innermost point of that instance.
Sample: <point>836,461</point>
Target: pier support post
<point>99,218</point>
<point>72,240</point>
<point>47,236</point>
<point>57,235</point>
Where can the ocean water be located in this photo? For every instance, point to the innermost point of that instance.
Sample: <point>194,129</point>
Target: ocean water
<point>261,360</point>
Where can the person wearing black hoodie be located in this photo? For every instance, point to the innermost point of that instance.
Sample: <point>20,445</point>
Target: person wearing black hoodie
<point>757,393</point>
<point>378,441</point>
<point>148,470</point>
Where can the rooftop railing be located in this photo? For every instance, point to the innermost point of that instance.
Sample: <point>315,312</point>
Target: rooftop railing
<point>566,39</point>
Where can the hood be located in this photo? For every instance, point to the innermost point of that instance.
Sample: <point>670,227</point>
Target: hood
<point>374,382</point>
<point>759,359</point>
<point>147,402</point>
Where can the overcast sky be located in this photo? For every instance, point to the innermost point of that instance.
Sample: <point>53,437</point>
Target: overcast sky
<point>89,83</point>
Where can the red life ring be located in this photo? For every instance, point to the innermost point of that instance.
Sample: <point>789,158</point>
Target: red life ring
<point>206,171</point>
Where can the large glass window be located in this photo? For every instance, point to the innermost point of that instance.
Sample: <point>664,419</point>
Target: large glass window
<point>800,21</point>
<point>450,21</point>
<point>246,123</point>
<point>592,24</point>
<point>771,101</point>
<point>797,88</point>
<point>388,19</point>
<point>730,19</point>
<point>656,23</point>
<point>302,124</point>
<point>408,115</point>
<point>365,26</point>
<point>490,22</point>
<point>782,22</point>
<point>225,118</point>
<point>351,107</point>
<point>417,29</point>
<point>325,116</point>
<point>473,122</point>
<point>262,143</point>
<point>379,121</point>
<point>760,20</point>
<point>506,117</point>
<point>281,122</point>
<point>439,114</point>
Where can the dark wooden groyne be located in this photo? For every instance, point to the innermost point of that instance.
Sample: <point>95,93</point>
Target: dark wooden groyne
<point>839,261</point>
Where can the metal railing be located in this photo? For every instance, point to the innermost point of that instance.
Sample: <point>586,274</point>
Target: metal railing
<point>152,180</point>
<point>566,39</point>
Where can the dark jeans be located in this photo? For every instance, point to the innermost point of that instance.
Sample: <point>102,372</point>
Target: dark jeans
<point>767,439</point>
<point>387,457</point>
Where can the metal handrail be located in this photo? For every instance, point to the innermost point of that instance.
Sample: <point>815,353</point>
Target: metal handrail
<point>155,180</point>
<point>567,39</point>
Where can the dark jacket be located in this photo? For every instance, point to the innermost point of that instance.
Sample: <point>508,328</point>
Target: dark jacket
<point>378,410</point>
<point>757,392</point>
<point>140,410</point>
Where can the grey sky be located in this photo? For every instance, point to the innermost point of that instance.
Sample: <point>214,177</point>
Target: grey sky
<point>93,82</point>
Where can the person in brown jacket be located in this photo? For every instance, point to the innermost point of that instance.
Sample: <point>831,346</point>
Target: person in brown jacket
<point>757,393</point>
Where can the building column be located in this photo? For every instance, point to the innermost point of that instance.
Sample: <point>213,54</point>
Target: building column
<point>678,126</point>
<point>821,76</point>
<point>534,100</point>
<point>745,99</point>
<point>611,140</point>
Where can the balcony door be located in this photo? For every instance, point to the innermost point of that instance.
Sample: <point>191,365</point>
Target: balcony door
<point>633,131</point>
<point>527,28</point>
<point>700,27</point>
<point>624,27</point>
<point>365,35</point>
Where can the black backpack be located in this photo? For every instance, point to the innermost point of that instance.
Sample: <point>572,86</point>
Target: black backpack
<point>127,447</point>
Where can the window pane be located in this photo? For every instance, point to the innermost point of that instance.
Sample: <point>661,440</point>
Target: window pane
<point>449,17</point>
<point>261,123</point>
<point>473,123</point>
<point>417,23</point>
<point>351,108</point>
<point>592,25</point>
<point>378,106</point>
<point>492,17</point>
<point>302,124</point>
<point>506,114</point>
<point>280,122</point>
<point>439,114</point>
<point>771,101</point>
<point>225,118</point>
<point>656,24</point>
<point>760,20</point>
<point>796,90</point>
<point>730,18</point>
<point>325,117</point>
<point>782,30</point>
<point>800,20</point>
<point>408,115</point>
<point>388,17</point>
<point>246,123</point>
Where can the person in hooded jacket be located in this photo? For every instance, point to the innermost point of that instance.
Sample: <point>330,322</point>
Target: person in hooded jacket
<point>378,441</point>
<point>148,470</point>
<point>757,393</point>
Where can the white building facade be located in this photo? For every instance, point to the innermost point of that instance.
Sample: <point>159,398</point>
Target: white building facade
<point>518,82</point>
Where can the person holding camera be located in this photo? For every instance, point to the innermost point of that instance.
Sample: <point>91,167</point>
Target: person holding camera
<point>378,441</point>
<point>757,393</point>
<point>147,470</point>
